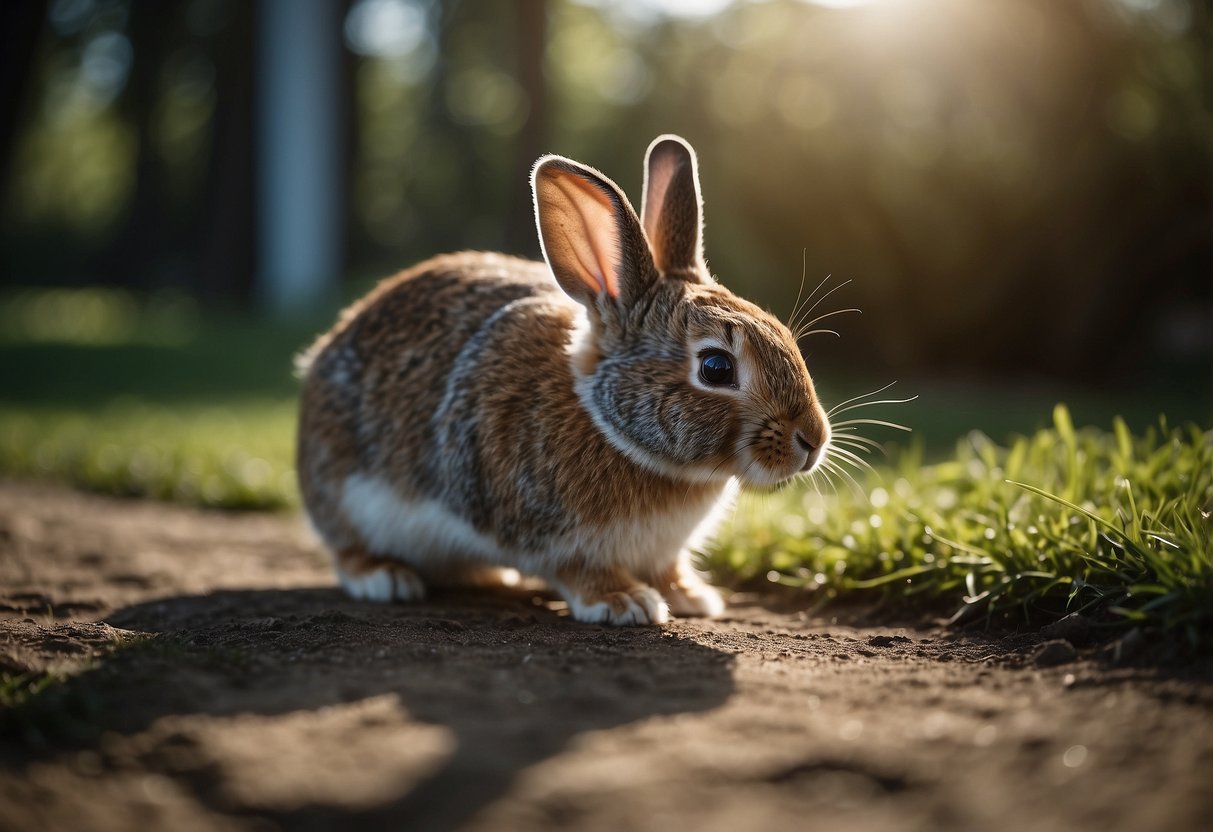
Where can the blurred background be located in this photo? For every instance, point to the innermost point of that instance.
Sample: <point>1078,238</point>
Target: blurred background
<point>1019,193</point>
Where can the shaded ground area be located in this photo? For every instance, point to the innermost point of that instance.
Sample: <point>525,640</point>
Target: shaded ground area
<point>188,670</point>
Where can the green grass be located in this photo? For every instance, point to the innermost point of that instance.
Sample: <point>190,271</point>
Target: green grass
<point>234,456</point>
<point>1105,523</point>
<point>16,689</point>
<point>148,397</point>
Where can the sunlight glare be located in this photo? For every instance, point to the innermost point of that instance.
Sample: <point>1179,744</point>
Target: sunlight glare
<point>844,4</point>
<point>691,8</point>
<point>385,28</point>
<point>648,11</point>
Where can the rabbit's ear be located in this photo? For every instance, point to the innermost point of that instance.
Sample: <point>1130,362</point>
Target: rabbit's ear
<point>672,209</point>
<point>590,234</point>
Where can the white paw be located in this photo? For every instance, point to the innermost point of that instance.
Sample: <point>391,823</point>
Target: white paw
<point>383,585</point>
<point>637,606</point>
<point>699,600</point>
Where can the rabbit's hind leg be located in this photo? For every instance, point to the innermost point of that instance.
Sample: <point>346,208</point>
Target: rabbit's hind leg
<point>370,577</point>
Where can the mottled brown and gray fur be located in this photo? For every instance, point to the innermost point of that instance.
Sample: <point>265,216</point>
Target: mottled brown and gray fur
<point>479,412</point>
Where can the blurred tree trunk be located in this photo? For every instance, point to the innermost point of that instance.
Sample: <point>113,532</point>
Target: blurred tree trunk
<point>223,236</point>
<point>299,162</point>
<point>21,26</point>
<point>350,138</point>
<point>450,201</point>
<point>136,255</point>
<point>530,20</point>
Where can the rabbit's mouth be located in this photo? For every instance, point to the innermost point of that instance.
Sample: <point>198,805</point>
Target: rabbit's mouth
<point>776,451</point>
<point>768,474</point>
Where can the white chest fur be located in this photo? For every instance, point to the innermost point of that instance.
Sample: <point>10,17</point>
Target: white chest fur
<point>424,532</point>
<point>418,531</point>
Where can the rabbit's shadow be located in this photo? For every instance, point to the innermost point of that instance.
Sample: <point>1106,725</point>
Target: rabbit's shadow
<point>512,681</point>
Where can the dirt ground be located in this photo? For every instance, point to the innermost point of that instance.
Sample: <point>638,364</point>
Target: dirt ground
<point>216,679</point>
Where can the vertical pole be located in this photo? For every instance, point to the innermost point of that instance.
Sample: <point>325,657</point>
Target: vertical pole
<point>298,155</point>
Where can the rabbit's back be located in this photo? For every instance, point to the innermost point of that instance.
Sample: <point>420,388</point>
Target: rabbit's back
<point>583,420</point>
<point>373,383</point>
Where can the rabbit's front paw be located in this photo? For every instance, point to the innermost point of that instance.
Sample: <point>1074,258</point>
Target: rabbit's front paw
<point>703,600</point>
<point>612,597</point>
<point>369,578</point>
<point>688,594</point>
<point>639,605</point>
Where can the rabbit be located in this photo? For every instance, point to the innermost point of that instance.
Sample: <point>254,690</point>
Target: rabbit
<point>584,420</point>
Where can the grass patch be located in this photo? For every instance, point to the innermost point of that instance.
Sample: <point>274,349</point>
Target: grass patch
<point>16,689</point>
<point>148,396</point>
<point>237,456</point>
<point>1061,521</point>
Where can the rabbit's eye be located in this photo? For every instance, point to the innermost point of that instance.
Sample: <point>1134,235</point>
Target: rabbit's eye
<point>716,367</point>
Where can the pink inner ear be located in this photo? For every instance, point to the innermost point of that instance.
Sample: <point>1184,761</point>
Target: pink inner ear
<point>661,172</point>
<point>580,230</point>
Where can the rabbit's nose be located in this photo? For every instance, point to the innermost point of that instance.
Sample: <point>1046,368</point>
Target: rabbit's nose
<point>813,451</point>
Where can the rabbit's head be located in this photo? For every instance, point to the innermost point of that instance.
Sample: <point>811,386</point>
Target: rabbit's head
<point>680,374</point>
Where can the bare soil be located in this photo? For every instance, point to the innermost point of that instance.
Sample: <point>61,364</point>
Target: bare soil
<point>208,675</point>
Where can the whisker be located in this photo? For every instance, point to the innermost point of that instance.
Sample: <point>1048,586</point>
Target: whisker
<point>804,270</point>
<point>816,486</point>
<point>881,422</point>
<point>860,448</point>
<point>842,472</point>
<point>827,315</point>
<point>831,411</point>
<point>869,404</point>
<point>818,332</point>
<point>859,442</point>
<point>854,459</point>
<point>854,446</point>
<point>825,475</point>
<point>800,310</point>
<point>823,297</point>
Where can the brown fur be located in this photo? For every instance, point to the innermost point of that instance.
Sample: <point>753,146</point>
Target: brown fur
<point>533,390</point>
<point>462,387</point>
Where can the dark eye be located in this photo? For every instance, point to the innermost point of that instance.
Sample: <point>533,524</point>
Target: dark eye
<point>717,368</point>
